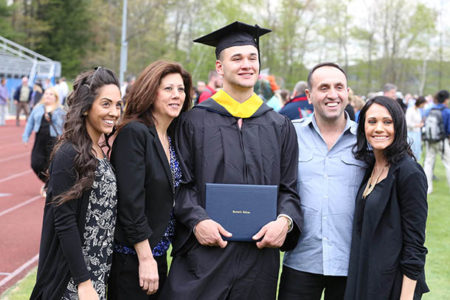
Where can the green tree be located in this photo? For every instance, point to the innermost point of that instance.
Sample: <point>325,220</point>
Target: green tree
<point>6,29</point>
<point>69,33</point>
<point>21,17</point>
<point>382,41</point>
<point>335,30</point>
<point>103,48</point>
<point>292,40</point>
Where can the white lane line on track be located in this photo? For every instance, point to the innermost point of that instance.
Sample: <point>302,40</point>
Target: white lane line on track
<point>8,210</point>
<point>8,137</point>
<point>18,270</point>
<point>14,157</point>
<point>14,176</point>
<point>16,145</point>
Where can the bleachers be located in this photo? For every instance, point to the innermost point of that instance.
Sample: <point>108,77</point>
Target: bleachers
<point>18,61</point>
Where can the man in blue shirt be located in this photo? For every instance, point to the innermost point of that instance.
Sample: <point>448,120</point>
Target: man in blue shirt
<point>329,178</point>
<point>442,147</point>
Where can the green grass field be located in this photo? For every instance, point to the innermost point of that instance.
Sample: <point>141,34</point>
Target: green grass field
<point>438,237</point>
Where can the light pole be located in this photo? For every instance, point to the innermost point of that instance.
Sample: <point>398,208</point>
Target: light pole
<point>124,45</point>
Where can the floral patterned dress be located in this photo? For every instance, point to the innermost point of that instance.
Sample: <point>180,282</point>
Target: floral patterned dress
<point>98,232</point>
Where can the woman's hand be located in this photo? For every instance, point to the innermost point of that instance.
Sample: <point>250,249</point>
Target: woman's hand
<point>148,275</point>
<point>148,268</point>
<point>408,287</point>
<point>86,291</point>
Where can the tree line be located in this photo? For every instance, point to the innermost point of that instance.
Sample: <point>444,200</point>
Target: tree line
<point>405,42</point>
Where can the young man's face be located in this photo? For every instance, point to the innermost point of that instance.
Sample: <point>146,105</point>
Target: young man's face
<point>328,93</point>
<point>239,66</point>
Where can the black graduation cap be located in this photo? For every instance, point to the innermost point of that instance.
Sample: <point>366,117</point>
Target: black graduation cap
<point>234,34</point>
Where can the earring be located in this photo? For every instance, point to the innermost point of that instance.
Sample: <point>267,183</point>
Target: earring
<point>85,113</point>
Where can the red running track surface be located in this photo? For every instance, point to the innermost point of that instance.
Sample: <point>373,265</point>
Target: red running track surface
<point>21,207</point>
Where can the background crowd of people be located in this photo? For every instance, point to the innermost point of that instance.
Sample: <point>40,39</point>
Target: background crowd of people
<point>295,105</point>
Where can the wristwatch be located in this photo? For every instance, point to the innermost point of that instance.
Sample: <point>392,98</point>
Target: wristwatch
<point>289,219</point>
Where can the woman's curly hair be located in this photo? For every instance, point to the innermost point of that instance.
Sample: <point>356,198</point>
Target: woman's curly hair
<point>85,89</point>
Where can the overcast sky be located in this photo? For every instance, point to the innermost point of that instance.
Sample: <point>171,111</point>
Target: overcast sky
<point>439,5</point>
<point>360,19</point>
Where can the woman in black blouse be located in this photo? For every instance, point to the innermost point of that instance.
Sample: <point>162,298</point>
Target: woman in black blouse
<point>147,175</point>
<point>387,255</point>
<point>80,211</point>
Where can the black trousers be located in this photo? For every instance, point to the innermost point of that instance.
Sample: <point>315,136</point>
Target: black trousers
<point>40,155</point>
<point>307,286</point>
<point>124,278</point>
<point>240,271</point>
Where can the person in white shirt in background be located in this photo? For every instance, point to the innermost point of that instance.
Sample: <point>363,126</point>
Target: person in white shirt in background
<point>414,122</point>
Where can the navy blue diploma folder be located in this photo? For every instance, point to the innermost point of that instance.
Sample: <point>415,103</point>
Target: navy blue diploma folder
<point>242,209</point>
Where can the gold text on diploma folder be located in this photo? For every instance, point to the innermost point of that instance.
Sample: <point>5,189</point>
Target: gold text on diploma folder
<point>246,212</point>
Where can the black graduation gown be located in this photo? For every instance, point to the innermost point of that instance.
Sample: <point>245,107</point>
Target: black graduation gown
<point>213,149</point>
<point>389,234</point>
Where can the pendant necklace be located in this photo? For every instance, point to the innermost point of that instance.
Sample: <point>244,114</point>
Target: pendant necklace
<point>371,184</point>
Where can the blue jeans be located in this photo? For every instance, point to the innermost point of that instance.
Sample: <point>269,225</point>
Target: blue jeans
<point>3,110</point>
<point>415,139</point>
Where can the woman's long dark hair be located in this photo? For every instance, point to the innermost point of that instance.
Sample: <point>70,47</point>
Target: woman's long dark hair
<point>144,92</point>
<point>399,147</point>
<point>85,90</point>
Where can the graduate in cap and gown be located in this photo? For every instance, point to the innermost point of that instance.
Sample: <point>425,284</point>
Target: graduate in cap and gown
<point>232,138</point>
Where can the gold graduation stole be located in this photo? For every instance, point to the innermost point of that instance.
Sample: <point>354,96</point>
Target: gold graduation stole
<point>235,108</point>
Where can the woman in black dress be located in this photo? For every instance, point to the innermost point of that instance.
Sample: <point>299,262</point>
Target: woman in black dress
<point>80,211</point>
<point>387,255</point>
<point>148,174</point>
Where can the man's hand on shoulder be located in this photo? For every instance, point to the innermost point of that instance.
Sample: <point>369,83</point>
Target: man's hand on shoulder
<point>273,234</point>
<point>208,233</point>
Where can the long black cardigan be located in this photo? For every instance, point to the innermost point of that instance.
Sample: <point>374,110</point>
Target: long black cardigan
<point>60,254</point>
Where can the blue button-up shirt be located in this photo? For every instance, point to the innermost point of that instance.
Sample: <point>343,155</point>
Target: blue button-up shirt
<point>328,181</point>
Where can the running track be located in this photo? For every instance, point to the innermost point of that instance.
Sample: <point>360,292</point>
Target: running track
<point>21,207</point>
